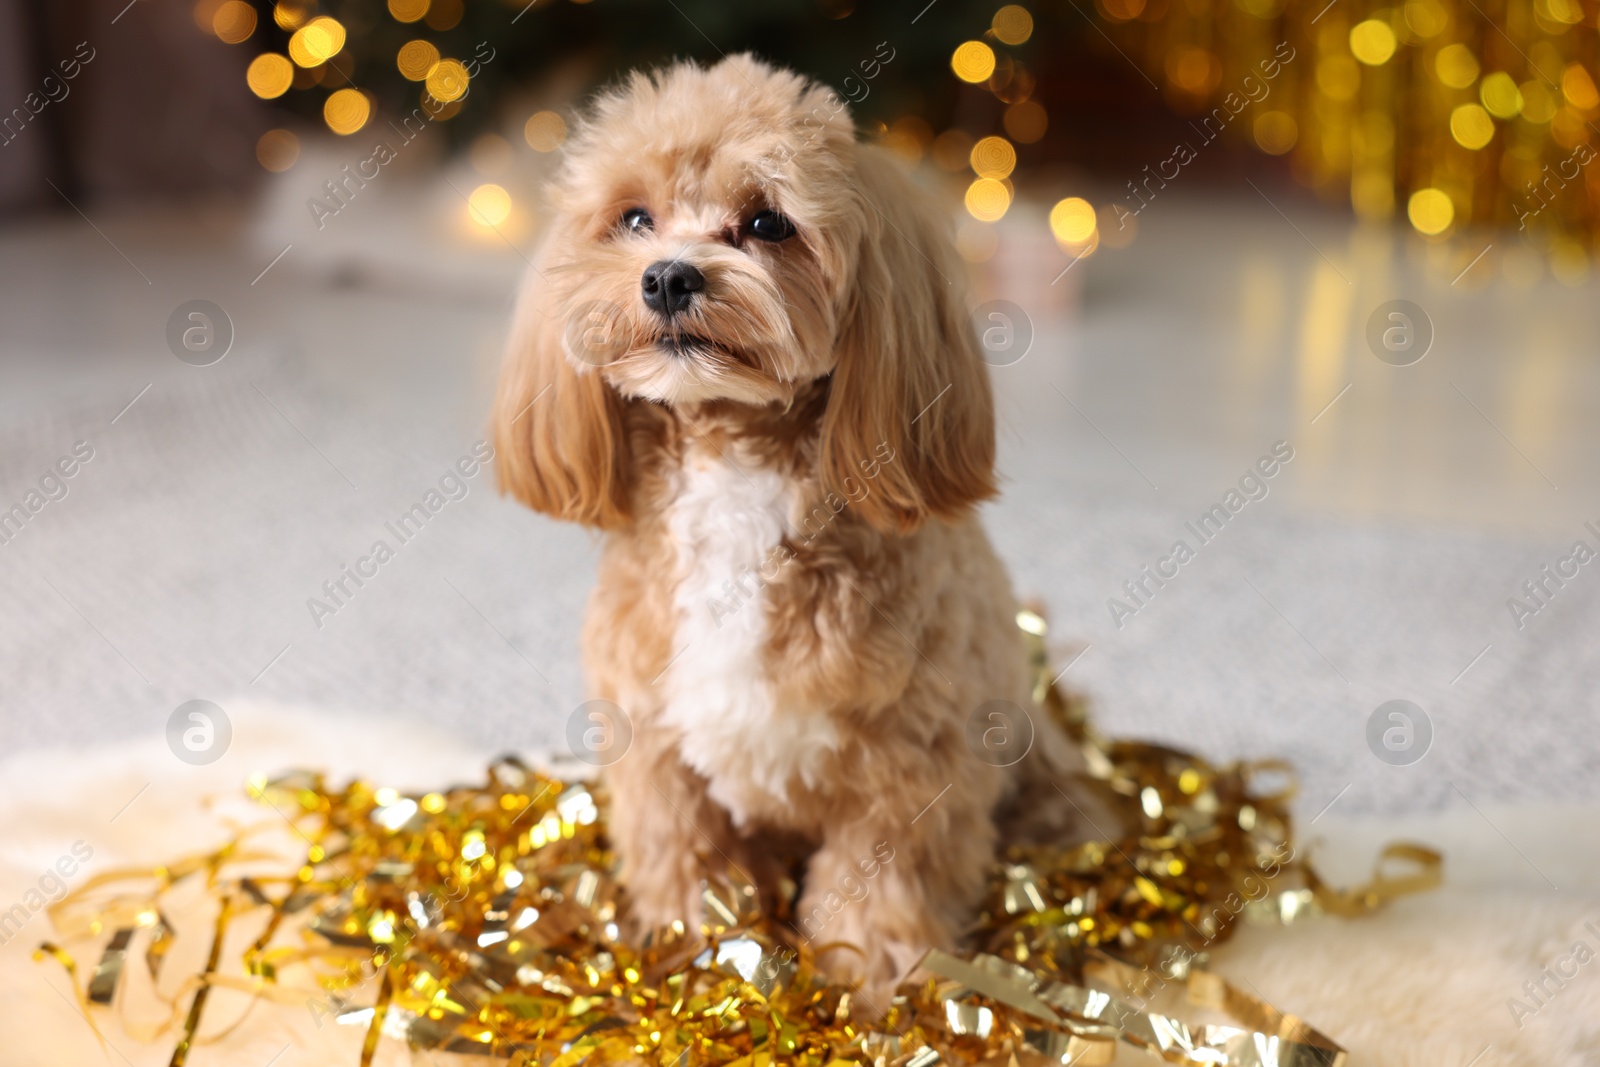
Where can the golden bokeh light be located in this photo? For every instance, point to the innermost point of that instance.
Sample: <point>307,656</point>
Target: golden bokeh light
<point>290,14</point>
<point>1072,222</point>
<point>269,75</point>
<point>1456,66</point>
<point>1372,42</point>
<point>1578,87</point>
<point>346,111</point>
<point>545,131</point>
<point>1026,121</point>
<point>973,62</point>
<point>988,199</point>
<point>408,10</point>
<point>1426,18</point>
<point>1471,126</point>
<point>324,36</point>
<point>993,157</point>
<point>1561,12</point>
<point>1538,103</point>
<point>1500,95</point>
<point>317,41</point>
<point>277,150</point>
<point>489,205</point>
<point>1275,132</point>
<point>234,21</point>
<point>1194,70</point>
<point>447,80</point>
<point>1430,211</point>
<point>1012,24</point>
<point>415,59</point>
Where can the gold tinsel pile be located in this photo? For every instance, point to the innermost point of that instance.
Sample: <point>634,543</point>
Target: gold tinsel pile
<point>1446,112</point>
<point>483,920</point>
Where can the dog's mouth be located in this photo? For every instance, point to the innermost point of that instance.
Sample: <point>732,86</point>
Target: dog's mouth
<point>688,345</point>
<point>684,344</point>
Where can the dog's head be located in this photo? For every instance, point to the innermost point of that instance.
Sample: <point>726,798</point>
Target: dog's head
<point>722,237</point>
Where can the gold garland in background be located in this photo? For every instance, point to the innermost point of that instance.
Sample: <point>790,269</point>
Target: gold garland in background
<point>1446,113</point>
<point>483,920</point>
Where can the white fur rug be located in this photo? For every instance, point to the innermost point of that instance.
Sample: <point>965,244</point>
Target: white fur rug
<point>1427,983</point>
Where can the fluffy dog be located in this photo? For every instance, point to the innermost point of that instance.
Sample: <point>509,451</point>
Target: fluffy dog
<point>744,354</point>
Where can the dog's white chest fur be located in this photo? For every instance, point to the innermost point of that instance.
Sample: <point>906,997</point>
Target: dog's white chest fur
<point>726,524</point>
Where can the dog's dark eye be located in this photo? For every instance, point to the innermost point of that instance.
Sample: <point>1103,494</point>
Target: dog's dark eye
<point>637,220</point>
<point>770,226</point>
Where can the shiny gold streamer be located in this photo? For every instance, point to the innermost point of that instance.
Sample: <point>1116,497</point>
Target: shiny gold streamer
<point>483,920</point>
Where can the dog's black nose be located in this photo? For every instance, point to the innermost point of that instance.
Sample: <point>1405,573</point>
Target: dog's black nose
<point>669,285</point>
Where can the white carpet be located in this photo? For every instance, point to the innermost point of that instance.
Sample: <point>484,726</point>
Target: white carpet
<point>180,562</point>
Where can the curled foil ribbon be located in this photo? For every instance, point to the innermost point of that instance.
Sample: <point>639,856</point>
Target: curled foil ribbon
<point>483,920</point>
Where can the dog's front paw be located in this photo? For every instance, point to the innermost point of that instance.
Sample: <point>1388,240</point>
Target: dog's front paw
<point>876,970</point>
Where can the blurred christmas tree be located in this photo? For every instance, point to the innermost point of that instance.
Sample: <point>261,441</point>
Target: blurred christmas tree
<point>1435,111</point>
<point>390,52</point>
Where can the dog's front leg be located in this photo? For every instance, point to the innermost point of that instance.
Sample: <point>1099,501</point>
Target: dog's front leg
<point>898,875</point>
<point>666,831</point>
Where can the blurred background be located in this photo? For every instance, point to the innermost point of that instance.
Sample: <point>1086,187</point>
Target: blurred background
<point>256,261</point>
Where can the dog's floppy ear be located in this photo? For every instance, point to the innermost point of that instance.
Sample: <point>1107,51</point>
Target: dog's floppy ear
<point>559,436</point>
<point>910,396</point>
